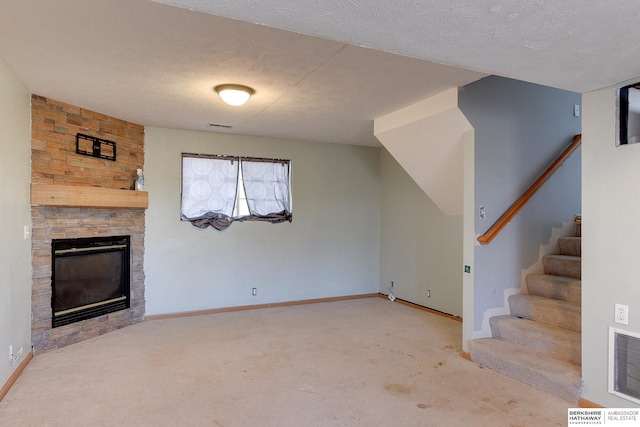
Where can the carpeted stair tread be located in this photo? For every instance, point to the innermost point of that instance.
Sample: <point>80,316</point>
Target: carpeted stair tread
<point>563,265</point>
<point>570,246</point>
<point>545,373</point>
<point>550,340</point>
<point>557,287</point>
<point>555,312</point>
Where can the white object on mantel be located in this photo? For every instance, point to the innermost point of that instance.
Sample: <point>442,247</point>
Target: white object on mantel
<point>140,181</point>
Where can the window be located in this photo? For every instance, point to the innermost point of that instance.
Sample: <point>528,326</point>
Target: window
<point>218,190</point>
<point>628,104</point>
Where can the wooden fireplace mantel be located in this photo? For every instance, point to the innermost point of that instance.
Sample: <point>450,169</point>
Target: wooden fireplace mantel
<point>87,197</point>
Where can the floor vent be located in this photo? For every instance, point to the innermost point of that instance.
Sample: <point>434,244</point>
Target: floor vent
<point>624,364</point>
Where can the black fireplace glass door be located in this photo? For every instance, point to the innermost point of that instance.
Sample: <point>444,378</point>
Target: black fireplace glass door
<point>87,279</point>
<point>90,277</point>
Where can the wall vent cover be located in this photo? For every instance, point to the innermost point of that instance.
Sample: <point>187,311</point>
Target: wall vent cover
<point>624,364</point>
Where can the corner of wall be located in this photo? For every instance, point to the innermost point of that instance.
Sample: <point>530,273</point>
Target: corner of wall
<point>15,251</point>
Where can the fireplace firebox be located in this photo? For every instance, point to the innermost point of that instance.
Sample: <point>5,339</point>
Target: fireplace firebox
<point>90,277</point>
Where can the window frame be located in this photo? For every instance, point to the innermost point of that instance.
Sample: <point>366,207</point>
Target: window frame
<point>627,117</point>
<point>239,214</point>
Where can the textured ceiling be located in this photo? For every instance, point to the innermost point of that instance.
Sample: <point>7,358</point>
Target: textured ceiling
<point>578,45</point>
<point>156,65</point>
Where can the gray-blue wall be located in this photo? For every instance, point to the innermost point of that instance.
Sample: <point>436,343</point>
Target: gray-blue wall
<point>15,215</point>
<point>420,247</point>
<point>332,247</point>
<point>520,128</point>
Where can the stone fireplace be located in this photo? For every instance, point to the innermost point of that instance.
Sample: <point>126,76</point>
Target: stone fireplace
<point>75,196</point>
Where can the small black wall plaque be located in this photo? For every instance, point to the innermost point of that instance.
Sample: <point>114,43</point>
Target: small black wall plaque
<point>95,147</point>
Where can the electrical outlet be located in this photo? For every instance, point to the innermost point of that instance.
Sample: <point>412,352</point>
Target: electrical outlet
<point>428,293</point>
<point>254,291</point>
<point>621,314</point>
<point>10,353</point>
<point>392,283</point>
<point>482,212</point>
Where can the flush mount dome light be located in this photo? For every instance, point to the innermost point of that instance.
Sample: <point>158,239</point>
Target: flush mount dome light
<point>234,94</point>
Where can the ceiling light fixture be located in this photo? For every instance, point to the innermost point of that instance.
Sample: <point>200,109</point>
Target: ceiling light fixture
<point>235,95</point>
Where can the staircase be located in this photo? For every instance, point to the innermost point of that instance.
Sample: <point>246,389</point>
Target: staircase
<point>539,343</point>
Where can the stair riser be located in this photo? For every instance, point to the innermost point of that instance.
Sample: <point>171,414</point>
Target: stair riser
<point>562,266</point>
<point>558,313</point>
<point>564,345</point>
<point>566,385</point>
<point>570,246</point>
<point>555,287</point>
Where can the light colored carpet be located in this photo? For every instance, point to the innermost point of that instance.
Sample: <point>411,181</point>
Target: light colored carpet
<point>367,362</point>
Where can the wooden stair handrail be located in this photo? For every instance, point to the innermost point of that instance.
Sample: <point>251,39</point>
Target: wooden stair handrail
<point>506,217</point>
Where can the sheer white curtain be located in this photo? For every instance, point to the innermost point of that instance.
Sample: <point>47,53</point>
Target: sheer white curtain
<point>267,188</point>
<point>211,196</point>
<point>209,187</point>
